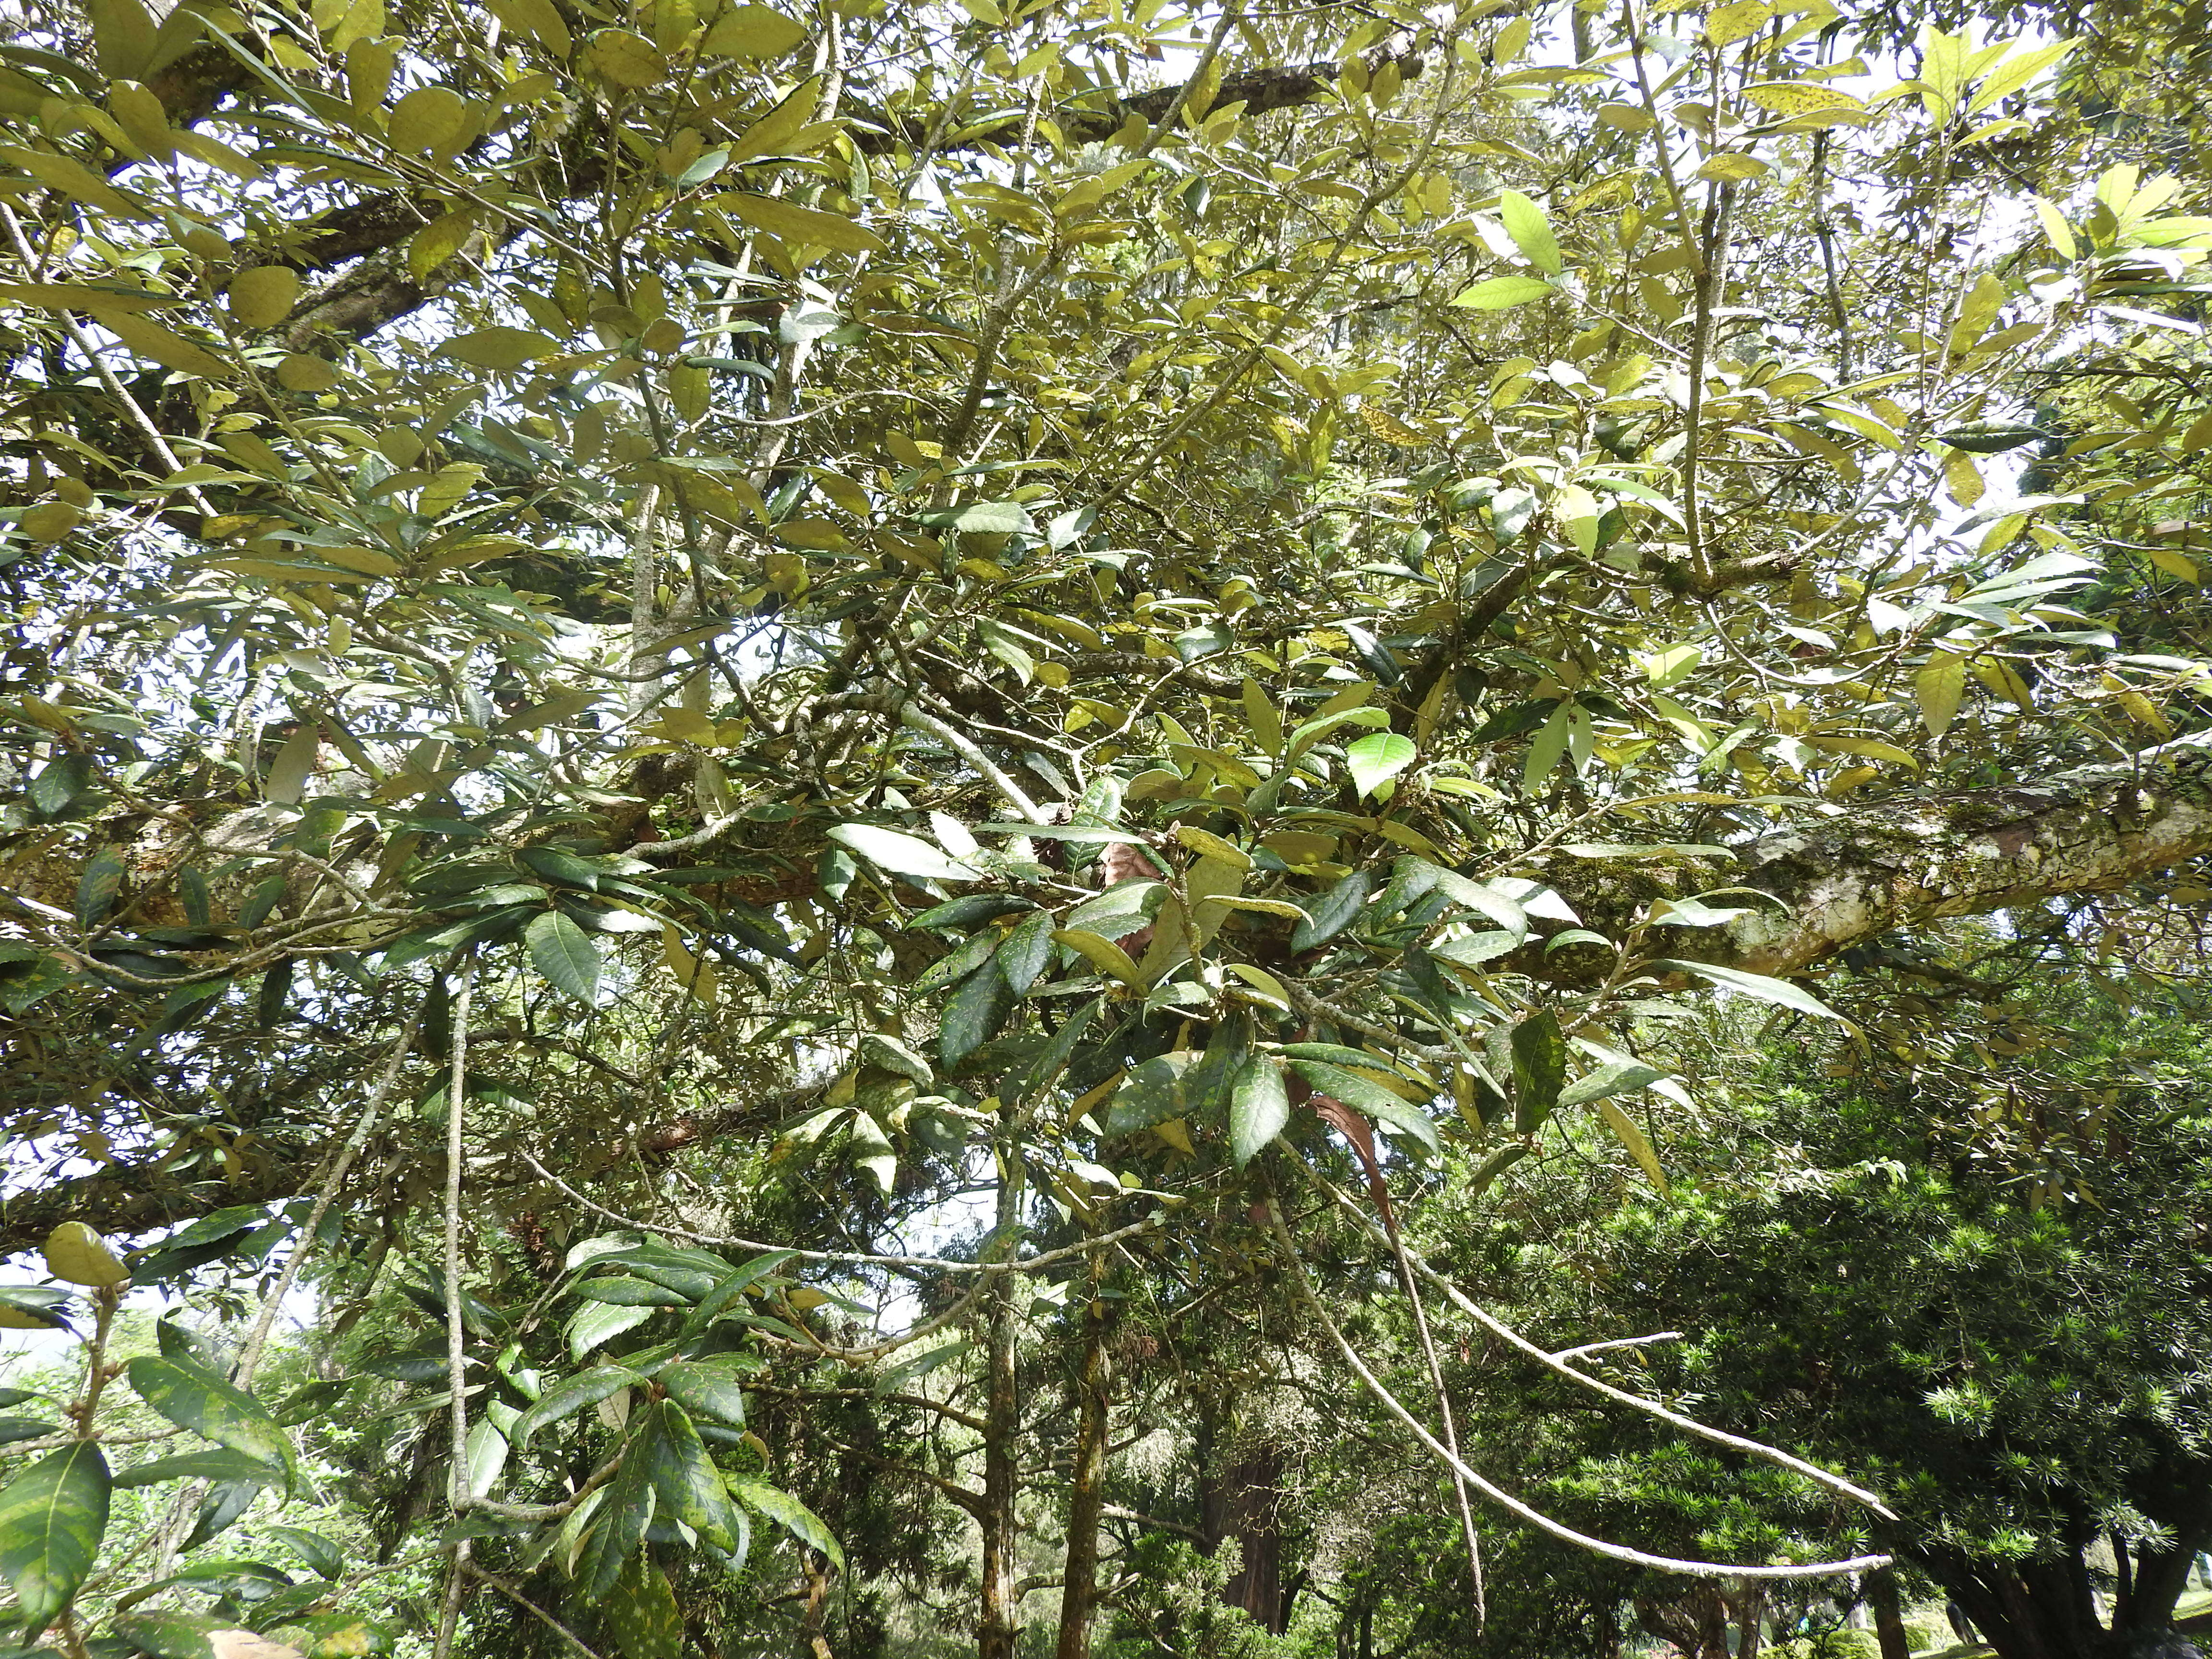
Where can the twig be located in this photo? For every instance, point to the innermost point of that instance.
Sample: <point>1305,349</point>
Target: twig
<point>1505,1500</point>
<point>1543,1356</point>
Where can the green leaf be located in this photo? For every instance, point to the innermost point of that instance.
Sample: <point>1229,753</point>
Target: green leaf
<point>1259,1107</point>
<point>705,1390</point>
<point>1025,952</point>
<point>1992,437</point>
<point>1614,1077</point>
<point>902,854</point>
<point>957,964</point>
<point>974,1015</point>
<point>640,1612</point>
<point>562,869</point>
<point>195,1398</point>
<point>1780,992</point>
<point>971,910</point>
<point>97,888</point>
<point>602,1321</point>
<point>59,783</point>
<point>52,1517</point>
<point>564,954</point>
<point>1393,1111</point>
<point>538,19</point>
<point>1376,758</point>
<point>787,1512</point>
<point>623,1292</point>
<point>1503,293</point>
<point>169,1633</point>
<point>731,1286</point>
<point>1494,1166</point>
<point>1531,232</point>
<point>890,1055</point>
<point>223,1464</point>
<point>982,519</point>
<point>1332,913</point>
<point>615,1529</point>
<point>1539,1068</point>
<point>1152,1093</point>
<point>685,1481</point>
<point>1333,1053</point>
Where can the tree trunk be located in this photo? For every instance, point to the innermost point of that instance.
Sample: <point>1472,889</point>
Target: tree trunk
<point>2038,1610</point>
<point>1086,1504</point>
<point>1750,1609</point>
<point>1888,1614</point>
<point>1245,1505</point>
<point>998,1627</point>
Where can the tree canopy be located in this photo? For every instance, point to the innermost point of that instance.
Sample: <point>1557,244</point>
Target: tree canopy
<point>847,775</point>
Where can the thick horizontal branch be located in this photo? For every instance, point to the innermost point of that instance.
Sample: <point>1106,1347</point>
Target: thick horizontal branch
<point>1865,871</point>
<point>1260,91</point>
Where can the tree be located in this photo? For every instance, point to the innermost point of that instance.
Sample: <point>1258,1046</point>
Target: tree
<point>681,624</point>
<point>1847,1275</point>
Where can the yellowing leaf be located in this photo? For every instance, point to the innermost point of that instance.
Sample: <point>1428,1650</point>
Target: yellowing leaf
<point>1208,845</point>
<point>2175,564</point>
<point>298,372</point>
<point>78,183</point>
<point>540,20</point>
<point>1102,953</point>
<point>1738,21</point>
<point>625,59</point>
<point>429,119</point>
<point>1389,429</point>
<point>499,348</point>
<point>1962,478</point>
<point>263,296</point>
<point>1800,98</point>
<point>1502,293</point>
<point>140,114</point>
<point>1625,1131</point>
<point>439,242</point>
<point>363,19</point>
<point>1939,687</point>
<point>795,223</point>
<point>1872,748</point>
<point>149,339</point>
<point>77,1254</point>
<point>774,131</point>
<point>2002,678</point>
<point>1733,168</point>
<point>755,32</point>
<point>1531,232</point>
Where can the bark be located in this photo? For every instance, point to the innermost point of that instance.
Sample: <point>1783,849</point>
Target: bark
<point>1864,870</point>
<point>1245,1503</point>
<point>999,1629</point>
<point>1695,1624</point>
<point>1888,1614</point>
<point>1750,1611</point>
<point>1087,1486</point>
<point>1261,92</point>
